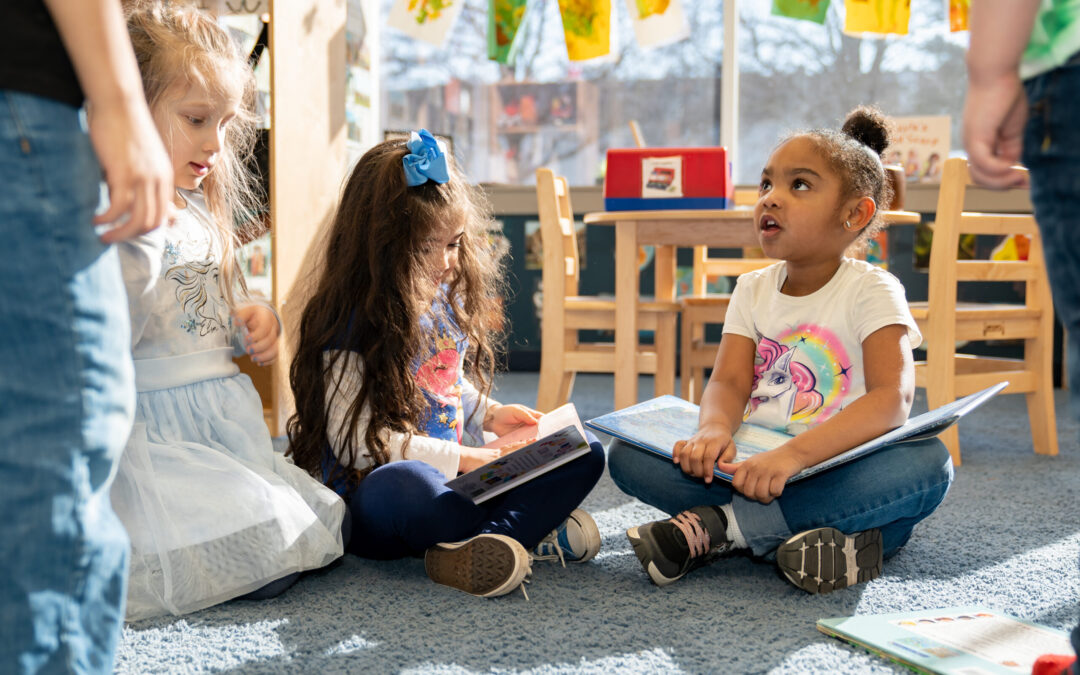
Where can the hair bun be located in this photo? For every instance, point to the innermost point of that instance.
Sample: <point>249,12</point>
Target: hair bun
<point>869,126</point>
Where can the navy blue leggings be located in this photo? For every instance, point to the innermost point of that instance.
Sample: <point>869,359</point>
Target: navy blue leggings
<point>403,508</point>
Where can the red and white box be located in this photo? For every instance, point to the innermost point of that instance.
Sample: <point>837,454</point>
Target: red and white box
<point>644,179</point>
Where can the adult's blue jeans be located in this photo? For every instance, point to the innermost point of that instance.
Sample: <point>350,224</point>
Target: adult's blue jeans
<point>67,397</point>
<point>1052,154</point>
<point>403,508</point>
<point>891,489</point>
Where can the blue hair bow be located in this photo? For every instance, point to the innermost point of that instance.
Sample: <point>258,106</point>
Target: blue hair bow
<point>426,160</point>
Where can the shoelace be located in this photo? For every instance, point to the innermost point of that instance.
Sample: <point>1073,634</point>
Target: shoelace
<point>697,537</point>
<point>527,579</point>
<point>549,549</point>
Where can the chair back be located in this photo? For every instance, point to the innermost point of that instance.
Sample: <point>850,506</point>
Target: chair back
<point>561,272</point>
<point>944,321</point>
<point>947,270</point>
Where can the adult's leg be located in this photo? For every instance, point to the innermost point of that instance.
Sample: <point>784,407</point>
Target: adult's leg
<point>891,489</point>
<point>66,399</point>
<point>1052,154</point>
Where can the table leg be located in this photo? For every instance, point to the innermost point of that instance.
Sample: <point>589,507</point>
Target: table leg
<point>627,292</point>
<point>664,339</point>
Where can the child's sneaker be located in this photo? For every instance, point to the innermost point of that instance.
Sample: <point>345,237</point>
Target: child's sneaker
<point>486,565</point>
<point>825,559</point>
<point>668,549</point>
<point>576,540</point>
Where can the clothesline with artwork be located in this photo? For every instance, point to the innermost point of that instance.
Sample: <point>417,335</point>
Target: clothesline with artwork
<point>587,23</point>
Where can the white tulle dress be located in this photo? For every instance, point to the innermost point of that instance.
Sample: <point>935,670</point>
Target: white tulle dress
<point>212,511</point>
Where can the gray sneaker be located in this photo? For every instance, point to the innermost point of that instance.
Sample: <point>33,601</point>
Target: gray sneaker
<point>825,559</point>
<point>486,565</point>
<point>668,549</point>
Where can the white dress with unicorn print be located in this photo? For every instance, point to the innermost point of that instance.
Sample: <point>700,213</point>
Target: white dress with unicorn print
<point>212,511</point>
<point>809,363</point>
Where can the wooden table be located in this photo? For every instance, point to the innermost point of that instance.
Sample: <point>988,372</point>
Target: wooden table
<point>667,231</point>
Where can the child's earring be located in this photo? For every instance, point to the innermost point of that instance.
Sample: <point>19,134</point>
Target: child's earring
<point>847,224</point>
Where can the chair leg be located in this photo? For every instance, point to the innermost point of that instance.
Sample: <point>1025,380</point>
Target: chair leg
<point>1038,357</point>
<point>664,344</point>
<point>548,390</point>
<point>685,378</point>
<point>941,387</point>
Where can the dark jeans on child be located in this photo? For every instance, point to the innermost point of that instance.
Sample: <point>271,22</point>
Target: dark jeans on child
<point>403,508</point>
<point>891,489</point>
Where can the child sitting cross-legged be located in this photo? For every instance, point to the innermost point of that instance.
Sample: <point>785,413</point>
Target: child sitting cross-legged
<point>818,345</point>
<point>392,379</point>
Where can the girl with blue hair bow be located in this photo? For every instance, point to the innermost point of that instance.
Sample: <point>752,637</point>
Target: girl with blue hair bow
<point>392,378</point>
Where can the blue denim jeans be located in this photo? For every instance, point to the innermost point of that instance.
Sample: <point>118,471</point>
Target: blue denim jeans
<point>404,508</point>
<point>67,397</point>
<point>891,489</point>
<point>1052,154</point>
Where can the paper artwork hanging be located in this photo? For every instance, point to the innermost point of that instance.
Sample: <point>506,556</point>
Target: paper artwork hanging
<point>877,16</point>
<point>807,10</point>
<point>958,14</point>
<point>425,20</point>
<point>658,22</point>
<point>505,20</point>
<point>587,27</point>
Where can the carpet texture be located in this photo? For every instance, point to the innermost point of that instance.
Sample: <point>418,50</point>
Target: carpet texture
<point>1007,536</point>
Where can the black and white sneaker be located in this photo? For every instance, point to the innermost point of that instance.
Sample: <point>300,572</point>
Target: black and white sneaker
<point>668,549</point>
<point>825,559</point>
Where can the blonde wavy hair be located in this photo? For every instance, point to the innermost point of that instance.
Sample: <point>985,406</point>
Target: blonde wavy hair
<point>177,46</point>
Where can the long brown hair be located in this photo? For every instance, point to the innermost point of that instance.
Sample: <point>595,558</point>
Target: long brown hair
<point>372,290</point>
<point>177,45</point>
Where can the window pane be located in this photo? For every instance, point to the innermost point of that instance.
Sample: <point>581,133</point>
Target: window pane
<point>546,111</point>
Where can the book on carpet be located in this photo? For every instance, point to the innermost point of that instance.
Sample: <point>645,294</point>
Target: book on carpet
<point>956,640</point>
<point>559,438</point>
<point>656,425</point>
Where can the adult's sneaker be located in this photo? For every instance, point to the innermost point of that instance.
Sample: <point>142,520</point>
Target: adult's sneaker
<point>576,540</point>
<point>825,559</point>
<point>486,565</point>
<point>668,549</point>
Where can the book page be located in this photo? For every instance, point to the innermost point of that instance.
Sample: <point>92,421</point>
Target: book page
<point>559,418</point>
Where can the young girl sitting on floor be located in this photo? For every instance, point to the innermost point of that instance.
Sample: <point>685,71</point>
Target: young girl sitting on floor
<point>213,513</point>
<point>392,375</point>
<point>818,345</point>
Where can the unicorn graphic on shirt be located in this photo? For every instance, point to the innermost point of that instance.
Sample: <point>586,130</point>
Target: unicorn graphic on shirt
<point>782,387</point>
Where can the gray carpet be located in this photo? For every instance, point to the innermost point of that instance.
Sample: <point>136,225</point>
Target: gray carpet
<point>1007,537</point>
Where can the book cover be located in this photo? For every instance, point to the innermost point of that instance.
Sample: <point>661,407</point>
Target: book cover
<point>951,640</point>
<point>559,438</point>
<point>656,425</point>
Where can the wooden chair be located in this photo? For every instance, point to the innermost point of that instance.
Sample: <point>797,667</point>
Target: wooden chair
<point>946,374</point>
<point>565,313</point>
<point>700,308</point>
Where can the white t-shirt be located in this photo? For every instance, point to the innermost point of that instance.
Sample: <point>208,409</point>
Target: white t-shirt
<point>809,361</point>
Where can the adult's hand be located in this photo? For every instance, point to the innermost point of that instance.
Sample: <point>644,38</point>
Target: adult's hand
<point>995,113</point>
<point>137,169</point>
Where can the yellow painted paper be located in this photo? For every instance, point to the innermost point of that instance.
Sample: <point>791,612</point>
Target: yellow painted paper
<point>647,8</point>
<point>958,14</point>
<point>587,27</point>
<point>877,16</point>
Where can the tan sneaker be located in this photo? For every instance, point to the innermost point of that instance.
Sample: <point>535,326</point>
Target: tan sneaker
<point>486,565</point>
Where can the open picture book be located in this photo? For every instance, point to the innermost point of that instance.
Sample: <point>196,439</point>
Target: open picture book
<point>559,438</point>
<point>957,640</point>
<point>656,425</point>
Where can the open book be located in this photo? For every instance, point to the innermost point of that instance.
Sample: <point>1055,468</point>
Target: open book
<point>953,640</point>
<point>559,439</point>
<point>657,424</point>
